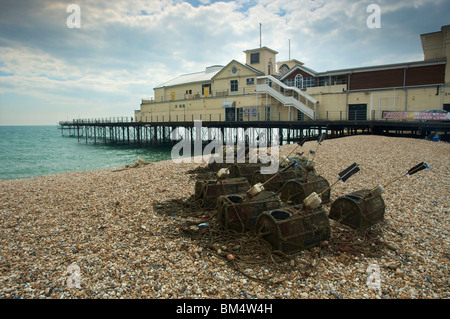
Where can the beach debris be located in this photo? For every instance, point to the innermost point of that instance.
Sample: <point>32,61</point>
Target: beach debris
<point>137,164</point>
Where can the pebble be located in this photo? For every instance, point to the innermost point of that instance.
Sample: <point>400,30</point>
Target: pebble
<point>106,225</point>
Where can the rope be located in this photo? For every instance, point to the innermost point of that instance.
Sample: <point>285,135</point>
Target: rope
<point>237,214</point>
<point>249,249</point>
<point>357,242</point>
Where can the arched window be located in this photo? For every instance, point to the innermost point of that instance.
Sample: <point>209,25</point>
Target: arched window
<point>269,67</point>
<point>299,81</point>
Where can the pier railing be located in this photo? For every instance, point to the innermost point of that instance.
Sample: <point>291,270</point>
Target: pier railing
<point>103,120</point>
<point>251,114</point>
<point>246,115</point>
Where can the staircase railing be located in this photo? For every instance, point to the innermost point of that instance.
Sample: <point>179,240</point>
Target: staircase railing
<point>288,95</point>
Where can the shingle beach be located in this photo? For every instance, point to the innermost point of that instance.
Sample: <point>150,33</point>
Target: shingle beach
<point>121,233</point>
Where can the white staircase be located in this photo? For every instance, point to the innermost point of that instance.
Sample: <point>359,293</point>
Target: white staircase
<point>288,95</point>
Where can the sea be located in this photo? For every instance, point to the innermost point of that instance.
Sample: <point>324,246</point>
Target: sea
<point>30,151</point>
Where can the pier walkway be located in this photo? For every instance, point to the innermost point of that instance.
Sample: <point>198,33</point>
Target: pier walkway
<point>125,131</point>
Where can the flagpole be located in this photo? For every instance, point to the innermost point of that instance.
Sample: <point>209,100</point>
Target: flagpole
<point>260,41</point>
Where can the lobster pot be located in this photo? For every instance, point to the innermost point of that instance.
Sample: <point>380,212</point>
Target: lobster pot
<point>245,170</point>
<point>305,166</point>
<point>215,166</point>
<point>276,182</point>
<point>358,210</point>
<point>238,213</point>
<point>296,190</point>
<point>292,233</point>
<point>208,191</point>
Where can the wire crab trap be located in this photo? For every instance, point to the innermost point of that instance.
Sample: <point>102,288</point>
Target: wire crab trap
<point>239,213</point>
<point>294,228</point>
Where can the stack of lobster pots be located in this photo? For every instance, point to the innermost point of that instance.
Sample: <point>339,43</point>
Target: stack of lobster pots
<point>278,206</point>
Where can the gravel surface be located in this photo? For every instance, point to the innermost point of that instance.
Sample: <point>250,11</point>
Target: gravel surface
<point>122,233</point>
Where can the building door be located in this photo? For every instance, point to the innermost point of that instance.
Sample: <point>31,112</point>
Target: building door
<point>357,112</point>
<point>240,114</point>
<point>230,114</point>
<point>206,89</point>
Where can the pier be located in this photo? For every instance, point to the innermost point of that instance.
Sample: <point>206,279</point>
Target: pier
<point>125,131</point>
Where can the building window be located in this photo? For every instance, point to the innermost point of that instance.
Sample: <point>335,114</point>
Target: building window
<point>254,58</point>
<point>299,81</point>
<point>234,85</point>
<point>284,69</point>
<point>303,83</point>
<point>324,80</point>
<point>289,82</point>
<point>250,81</point>
<point>309,82</point>
<point>338,79</point>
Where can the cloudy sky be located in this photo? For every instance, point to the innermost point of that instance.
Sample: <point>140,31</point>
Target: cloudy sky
<point>123,49</point>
